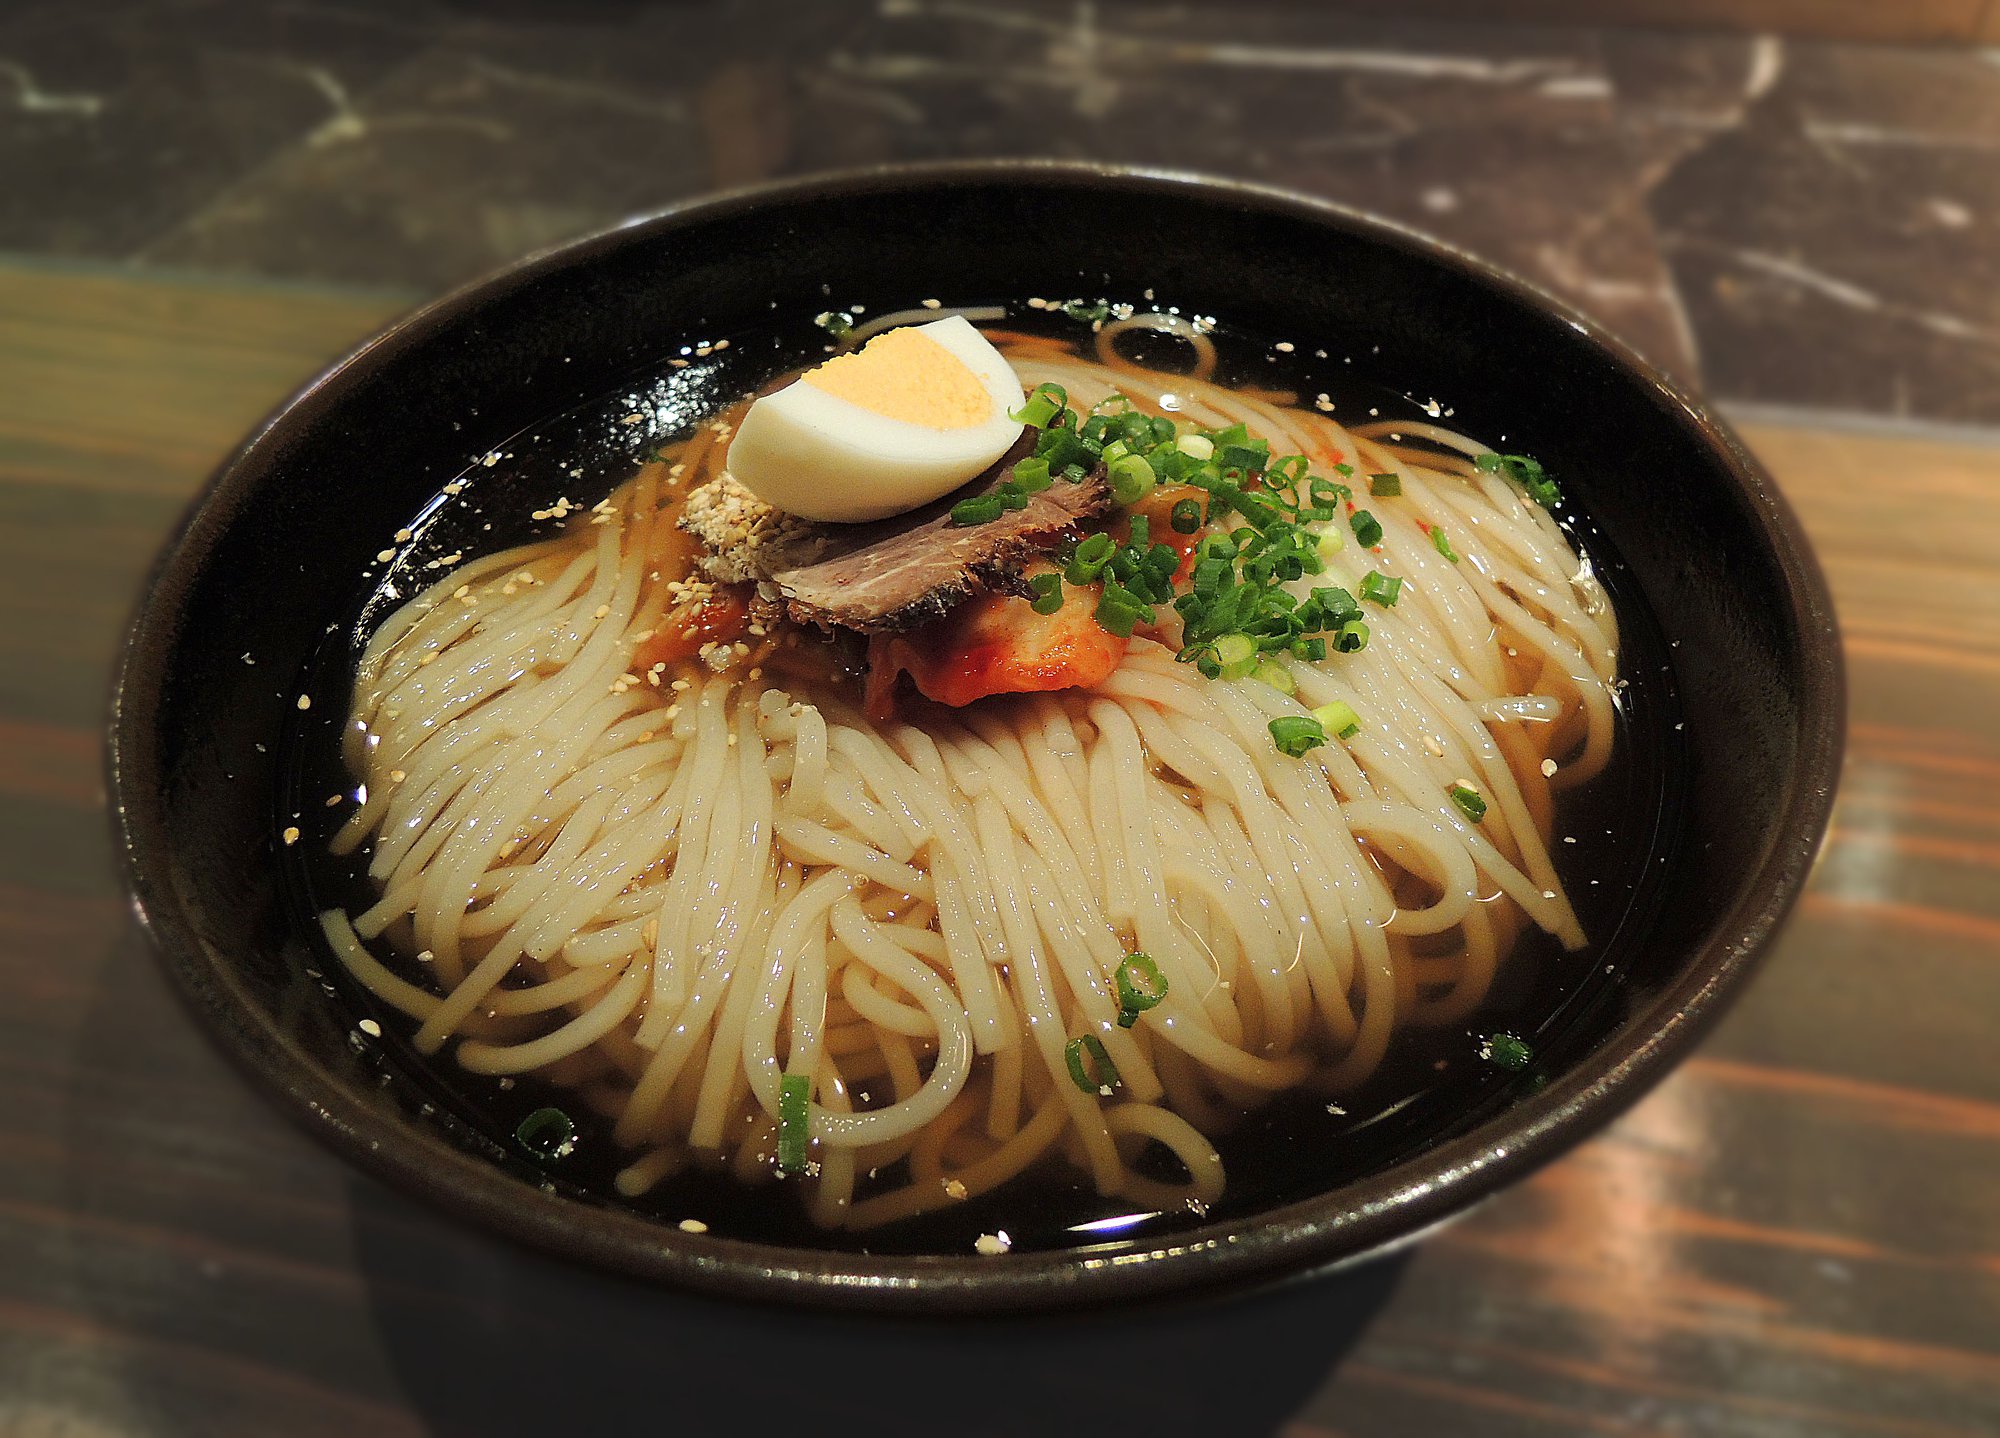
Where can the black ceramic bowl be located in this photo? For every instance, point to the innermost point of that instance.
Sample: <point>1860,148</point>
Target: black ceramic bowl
<point>272,554</point>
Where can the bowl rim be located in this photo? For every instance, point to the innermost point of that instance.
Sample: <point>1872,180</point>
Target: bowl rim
<point>1328,1230</point>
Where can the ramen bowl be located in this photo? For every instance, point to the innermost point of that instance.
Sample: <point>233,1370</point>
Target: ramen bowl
<point>1703,543</point>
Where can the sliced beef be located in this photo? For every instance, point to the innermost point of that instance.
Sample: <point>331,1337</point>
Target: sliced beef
<point>892,574</point>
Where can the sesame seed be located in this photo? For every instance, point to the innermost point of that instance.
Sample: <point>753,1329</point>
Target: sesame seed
<point>993,1244</point>
<point>1548,767</point>
<point>292,834</point>
<point>370,1028</point>
<point>693,1225</point>
<point>1284,347</point>
<point>305,701</point>
<point>933,304</point>
<point>955,1188</point>
<point>383,556</point>
<point>600,611</point>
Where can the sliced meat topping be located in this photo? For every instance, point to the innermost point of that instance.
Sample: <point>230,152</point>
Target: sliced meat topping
<point>893,574</point>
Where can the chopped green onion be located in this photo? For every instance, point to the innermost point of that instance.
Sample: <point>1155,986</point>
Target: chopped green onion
<point>1507,1051</point>
<point>1089,560</point>
<point>837,323</point>
<point>1042,405</point>
<point>1443,545</point>
<point>1249,455</point>
<point>1048,593</point>
<point>1367,529</point>
<point>1087,314</point>
<point>1033,475</point>
<point>1271,672</point>
<point>1295,734</point>
<point>794,1122</point>
<point>1331,541</point>
<point>1525,471</point>
<point>1120,611</point>
<point>980,509</point>
<point>547,1132</point>
<point>1196,446</point>
<point>1131,477</point>
<point>1185,517</point>
<point>1470,801</point>
<point>1102,1076</point>
<point>1383,589</point>
<point>1011,495</point>
<point>1351,637</point>
<point>1385,484</point>
<point>1338,719</point>
<point>1237,654</point>
<point>1141,986</point>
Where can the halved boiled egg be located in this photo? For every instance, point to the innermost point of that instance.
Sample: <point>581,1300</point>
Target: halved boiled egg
<point>910,416</point>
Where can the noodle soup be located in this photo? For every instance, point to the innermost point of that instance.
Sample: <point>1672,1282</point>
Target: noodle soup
<point>690,907</point>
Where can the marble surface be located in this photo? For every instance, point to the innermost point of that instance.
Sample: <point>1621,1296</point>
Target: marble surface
<point>1790,222</point>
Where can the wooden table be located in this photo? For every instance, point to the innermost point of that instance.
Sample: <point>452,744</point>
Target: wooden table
<point>1798,1233</point>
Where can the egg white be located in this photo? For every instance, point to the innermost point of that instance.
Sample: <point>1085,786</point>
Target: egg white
<point>819,456</point>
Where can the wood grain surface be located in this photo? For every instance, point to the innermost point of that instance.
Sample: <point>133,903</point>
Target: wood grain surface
<point>1797,1234</point>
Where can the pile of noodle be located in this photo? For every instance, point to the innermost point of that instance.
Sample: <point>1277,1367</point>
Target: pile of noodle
<point>667,898</point>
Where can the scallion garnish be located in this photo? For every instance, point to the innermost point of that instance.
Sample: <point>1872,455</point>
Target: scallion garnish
<point>979,509</point>
<point>1102,1075</point>
<point>1033,476</point>
<point>1338,719</point>
<point>794,1122</point>
<point>1237,654</point>
<point>1275,674</point>
<point>1296,734</point>
<point>1120,611</point>
<point>1042,405</point>
<point>837,323</point>
<point>1443,545</point>
<point>1090,314</point>
<point>547,1133</point>
<point>1130,477</point>
<point>1525,471</point>
<point>1507,1051</point>
<point>1379,588</point>
<point>1048,593</point>
<point>1087,564</point>
<point>1470,801</point>
<point>1240,615</point>
<point>1141,986</point>
<point>1385,484</point>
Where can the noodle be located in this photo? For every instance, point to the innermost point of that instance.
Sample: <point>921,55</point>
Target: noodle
<point>672,891</point>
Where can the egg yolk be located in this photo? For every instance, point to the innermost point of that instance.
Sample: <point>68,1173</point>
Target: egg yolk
<point>907,376</point>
